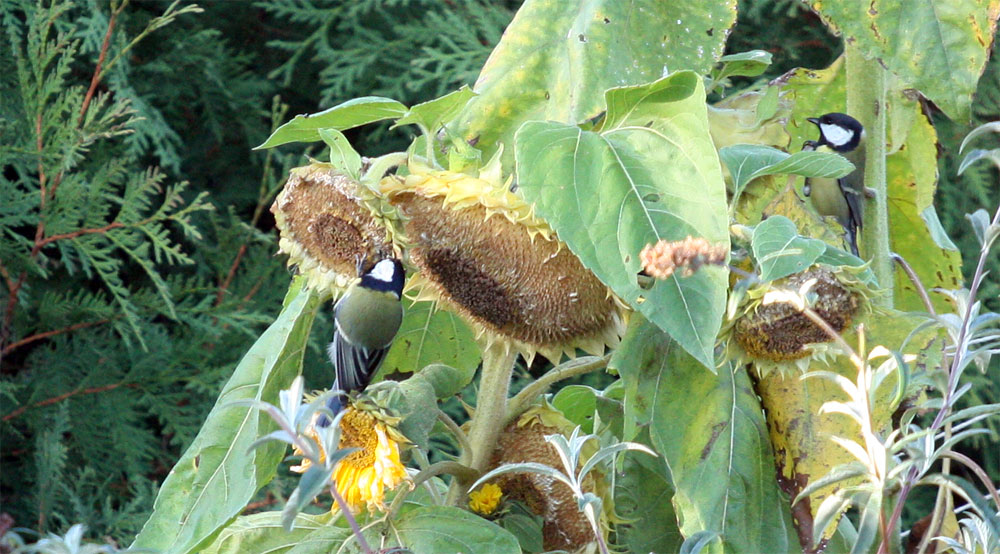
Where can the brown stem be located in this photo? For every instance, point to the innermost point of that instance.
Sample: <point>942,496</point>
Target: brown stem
<point>229,276</point>
<point>96,78</point>
<point>916,283</point>
<point>47,334</point>
<point>61,397</point>
<point>79,233</point>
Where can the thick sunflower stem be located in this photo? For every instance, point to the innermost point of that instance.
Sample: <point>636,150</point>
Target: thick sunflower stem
<point>491,411</point>
<point>867,100</point>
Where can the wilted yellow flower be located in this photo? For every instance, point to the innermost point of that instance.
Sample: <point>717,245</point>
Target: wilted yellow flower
<point>364,475</point>
<point>325,227</point>
<point>485,500</point>
<point>481,252</point>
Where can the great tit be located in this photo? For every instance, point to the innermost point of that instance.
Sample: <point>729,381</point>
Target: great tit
<point>367,318</point>
<point>842,198</point>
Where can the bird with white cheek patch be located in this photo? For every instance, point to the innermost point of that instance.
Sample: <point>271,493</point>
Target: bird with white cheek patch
<point>841,198</point>
<point>367,318</point>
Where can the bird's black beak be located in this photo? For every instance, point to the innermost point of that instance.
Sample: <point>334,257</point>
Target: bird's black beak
<point>813,120</point>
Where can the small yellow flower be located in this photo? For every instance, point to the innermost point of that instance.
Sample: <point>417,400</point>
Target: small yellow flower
<point>485,500</point>
<point>364,475</point>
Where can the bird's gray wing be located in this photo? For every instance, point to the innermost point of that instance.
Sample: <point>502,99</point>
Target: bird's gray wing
<point>353,364</point>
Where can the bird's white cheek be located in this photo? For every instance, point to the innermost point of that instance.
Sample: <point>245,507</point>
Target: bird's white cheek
<point>836,135</point>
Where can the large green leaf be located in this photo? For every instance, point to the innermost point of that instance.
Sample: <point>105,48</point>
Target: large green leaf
<point>429,336</point>
<point>652,174</point>
<point>643,496</point>
<point>424,529</point>
<point>557,57</point>
<point>264,532</point>
<point>939,47</point>
<point>915,232</point>
<point>711,431</point>
<point>217,475</point>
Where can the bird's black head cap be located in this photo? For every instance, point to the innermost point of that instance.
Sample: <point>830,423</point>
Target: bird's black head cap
<point>839,131</point>
<point>387,275</point>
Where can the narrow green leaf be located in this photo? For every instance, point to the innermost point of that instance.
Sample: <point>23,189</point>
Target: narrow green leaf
<point>979,154</point>
<point>353,113</point>
<point>745,64</point>
<point>610,194</point>
<point>779,249</point>
<point>342,154</point>
<point>431,114</point>
<point>991,127</point>
<point>217,476</point>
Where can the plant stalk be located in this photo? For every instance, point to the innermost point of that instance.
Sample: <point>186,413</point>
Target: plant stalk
<point>491,404</point>
<point>866,100</point>
<point>491,411</point>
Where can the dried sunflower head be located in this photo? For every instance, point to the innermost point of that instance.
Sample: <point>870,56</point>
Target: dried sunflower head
<point>482,253</point>
<point>565,527</point>
<point>777,335</point>
<point>326,230</point>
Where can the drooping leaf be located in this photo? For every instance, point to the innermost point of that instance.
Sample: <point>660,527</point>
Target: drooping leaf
<point>263,532</point>
<point>342,154</point>
<point>431,114</point>
<point>722,435</point>
<point>779,249</point>
<point>609,194</point>
<point>749,161</point>
<point>557,58</point>
<point>353,113</point>
<point>914,230</point>
<point>217,476</point>
<point>940,48</point>
<point>428,336</point>
<point>423,529</point>
<point>643,496</point>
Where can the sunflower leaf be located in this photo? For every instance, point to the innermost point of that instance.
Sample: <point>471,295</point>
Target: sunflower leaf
<point>651,173</point>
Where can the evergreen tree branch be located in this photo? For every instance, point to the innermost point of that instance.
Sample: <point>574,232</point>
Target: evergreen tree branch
<point>96,78</point>
<point>64,396</point>
<point>47,334</point>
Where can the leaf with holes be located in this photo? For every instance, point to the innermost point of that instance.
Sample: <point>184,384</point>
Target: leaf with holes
<point>557,58</point>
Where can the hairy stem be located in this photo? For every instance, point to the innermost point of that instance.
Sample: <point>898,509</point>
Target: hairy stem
<point>491,412</point>
<point>866,100</point>
<point>491,404</point>
<point>569,369</point>
<point>346,511</point>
